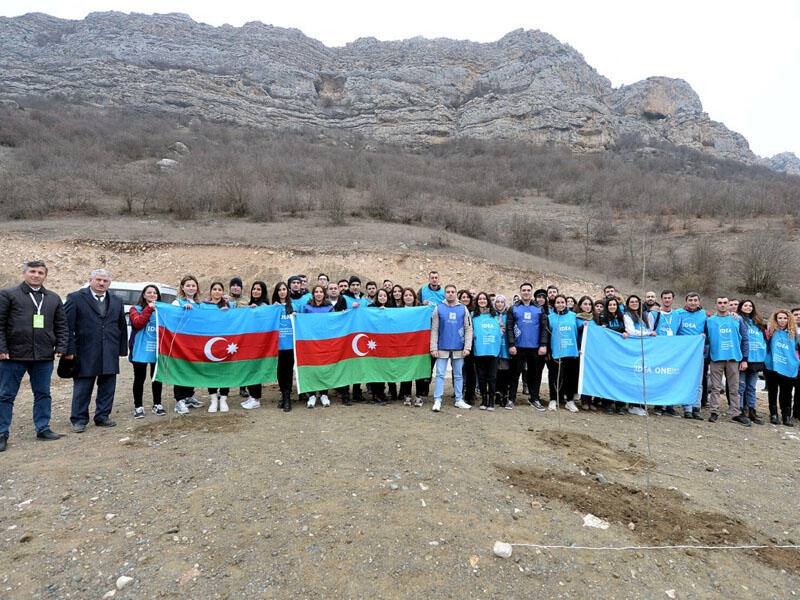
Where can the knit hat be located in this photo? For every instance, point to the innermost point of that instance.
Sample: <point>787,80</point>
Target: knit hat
<point>540,292</point>
<point>236,281</point>
<point>355,279</point>
<point>295,278</point>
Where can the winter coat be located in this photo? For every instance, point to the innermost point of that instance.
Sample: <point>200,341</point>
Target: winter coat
<point>96,341</point>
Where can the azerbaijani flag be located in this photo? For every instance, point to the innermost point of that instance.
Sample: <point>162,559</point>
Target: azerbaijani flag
<point>208,347</point>
<point>358,346</point>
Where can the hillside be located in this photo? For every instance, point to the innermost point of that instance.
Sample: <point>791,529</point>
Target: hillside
<point>385,502</point>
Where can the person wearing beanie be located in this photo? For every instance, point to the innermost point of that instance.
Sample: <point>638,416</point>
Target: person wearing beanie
<point>235,291</point>
<point>296,295</point>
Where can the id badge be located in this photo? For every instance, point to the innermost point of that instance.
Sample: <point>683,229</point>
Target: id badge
<point>669,332</point>
<point>38,321</point>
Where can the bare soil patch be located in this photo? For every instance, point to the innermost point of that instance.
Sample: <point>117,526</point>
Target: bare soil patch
<point>369,501</point>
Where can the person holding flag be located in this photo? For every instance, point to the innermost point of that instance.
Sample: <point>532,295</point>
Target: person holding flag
<point>142,349</point>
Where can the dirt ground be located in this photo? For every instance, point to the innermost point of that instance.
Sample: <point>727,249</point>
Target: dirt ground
<point>375,501</point>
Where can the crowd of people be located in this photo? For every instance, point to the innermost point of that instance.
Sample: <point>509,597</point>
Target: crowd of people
<point>488,341</point>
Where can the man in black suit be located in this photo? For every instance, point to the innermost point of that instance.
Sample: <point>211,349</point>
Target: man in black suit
<point>33,330</point>
<point>97,338</point>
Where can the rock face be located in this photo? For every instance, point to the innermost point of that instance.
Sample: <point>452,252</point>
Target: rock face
<point>527,86</point>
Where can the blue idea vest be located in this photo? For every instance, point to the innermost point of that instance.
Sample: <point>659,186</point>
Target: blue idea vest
<point>526,325</point>
<point>451,326</point>
<point>487,339</point>
<point>144,342</point>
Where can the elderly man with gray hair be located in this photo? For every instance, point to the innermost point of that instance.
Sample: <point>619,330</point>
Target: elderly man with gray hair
<point>97,338</point>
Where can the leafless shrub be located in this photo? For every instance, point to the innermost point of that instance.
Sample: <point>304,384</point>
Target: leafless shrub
<point>765,261</point>
<point>702,271</point>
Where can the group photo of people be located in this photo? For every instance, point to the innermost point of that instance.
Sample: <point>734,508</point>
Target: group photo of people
<point>492,346</point>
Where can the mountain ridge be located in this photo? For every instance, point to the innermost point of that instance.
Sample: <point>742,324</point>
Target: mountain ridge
<point>526,86</point>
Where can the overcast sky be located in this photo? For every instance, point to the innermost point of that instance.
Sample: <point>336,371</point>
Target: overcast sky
<point>742,58</point>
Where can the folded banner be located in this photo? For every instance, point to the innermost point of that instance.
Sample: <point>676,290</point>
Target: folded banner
<point>666,373</point>
<point>208,347</point>
<point>359,346</point>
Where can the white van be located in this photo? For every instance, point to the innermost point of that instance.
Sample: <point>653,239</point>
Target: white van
<point>129,292</point>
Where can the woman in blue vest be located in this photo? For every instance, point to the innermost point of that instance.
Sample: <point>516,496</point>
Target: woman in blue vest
<point>408,300</point>
<point>218,395</point>
<point>584,313</point>
<point>563,353</point>
<point>638,323</point>
<point>319,303</point>
<point>612,319</point>
<point>468,372</point>
<point>503,378</point>
<point>782,362</point>
<point>486,347</point>
<point>280,296</point>
<point>378,388</point>
<point>188,298</point>
<point>258,297</point>
<point>756,356</point>
<point>142,347</point>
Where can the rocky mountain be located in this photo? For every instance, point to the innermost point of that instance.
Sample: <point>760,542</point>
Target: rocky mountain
<point>526,86</point>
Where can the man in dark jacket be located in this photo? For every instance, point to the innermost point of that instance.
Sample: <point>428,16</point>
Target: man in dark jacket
<point>33,330</point>
<point>97,338</point>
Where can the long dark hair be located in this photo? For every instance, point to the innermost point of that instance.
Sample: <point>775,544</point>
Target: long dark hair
<point>142,301</point>
<point>637,314</point>
<point>276,299</point>
<point>263,287</point>
<point>489,305</point>
<point>222,302</point>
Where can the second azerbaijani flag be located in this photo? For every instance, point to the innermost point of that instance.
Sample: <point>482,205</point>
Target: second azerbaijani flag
<point>359,346</point>
<point>209,347</point>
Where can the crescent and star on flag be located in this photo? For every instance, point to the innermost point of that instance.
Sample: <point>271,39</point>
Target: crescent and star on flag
<point>371,345</point>
<point>232,348</point>
<point>208,349</point>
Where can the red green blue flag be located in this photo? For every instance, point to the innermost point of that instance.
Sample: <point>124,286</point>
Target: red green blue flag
<point>208,347</point>
<point>359,346</point>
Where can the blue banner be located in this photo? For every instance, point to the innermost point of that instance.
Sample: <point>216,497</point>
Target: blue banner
<point>657,370</point>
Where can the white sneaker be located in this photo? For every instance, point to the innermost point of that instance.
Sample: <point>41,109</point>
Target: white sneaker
<point>193,403</point>
<point>553,405</point>
<point>159,410</point>
<point>637,410</point>
<point>312,402</point>
<point>223,404</point>
<point>483,407</point>
<point>138,413</point>
<point>418,402</point>
<point>571,406</point>
<point>462,404</point>
<point>250,404</point>
<point>437,406</point>
<point>407,401</point>
<point>324,399</point>
<point>213,405</point>
<point>181,408</point>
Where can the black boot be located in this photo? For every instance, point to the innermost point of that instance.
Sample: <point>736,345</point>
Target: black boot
<point>751,412</point>
<point>287,402</point>
<point>787,421</point>
<point>346,398</point>
<point>282,403</point>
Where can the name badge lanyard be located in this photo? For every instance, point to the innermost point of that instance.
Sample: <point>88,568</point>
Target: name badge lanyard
<point>38,319</point>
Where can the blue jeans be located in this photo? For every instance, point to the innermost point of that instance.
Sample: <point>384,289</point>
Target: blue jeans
<point>747,388</point>
<point>11,374</point>
<point>458,379</point>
